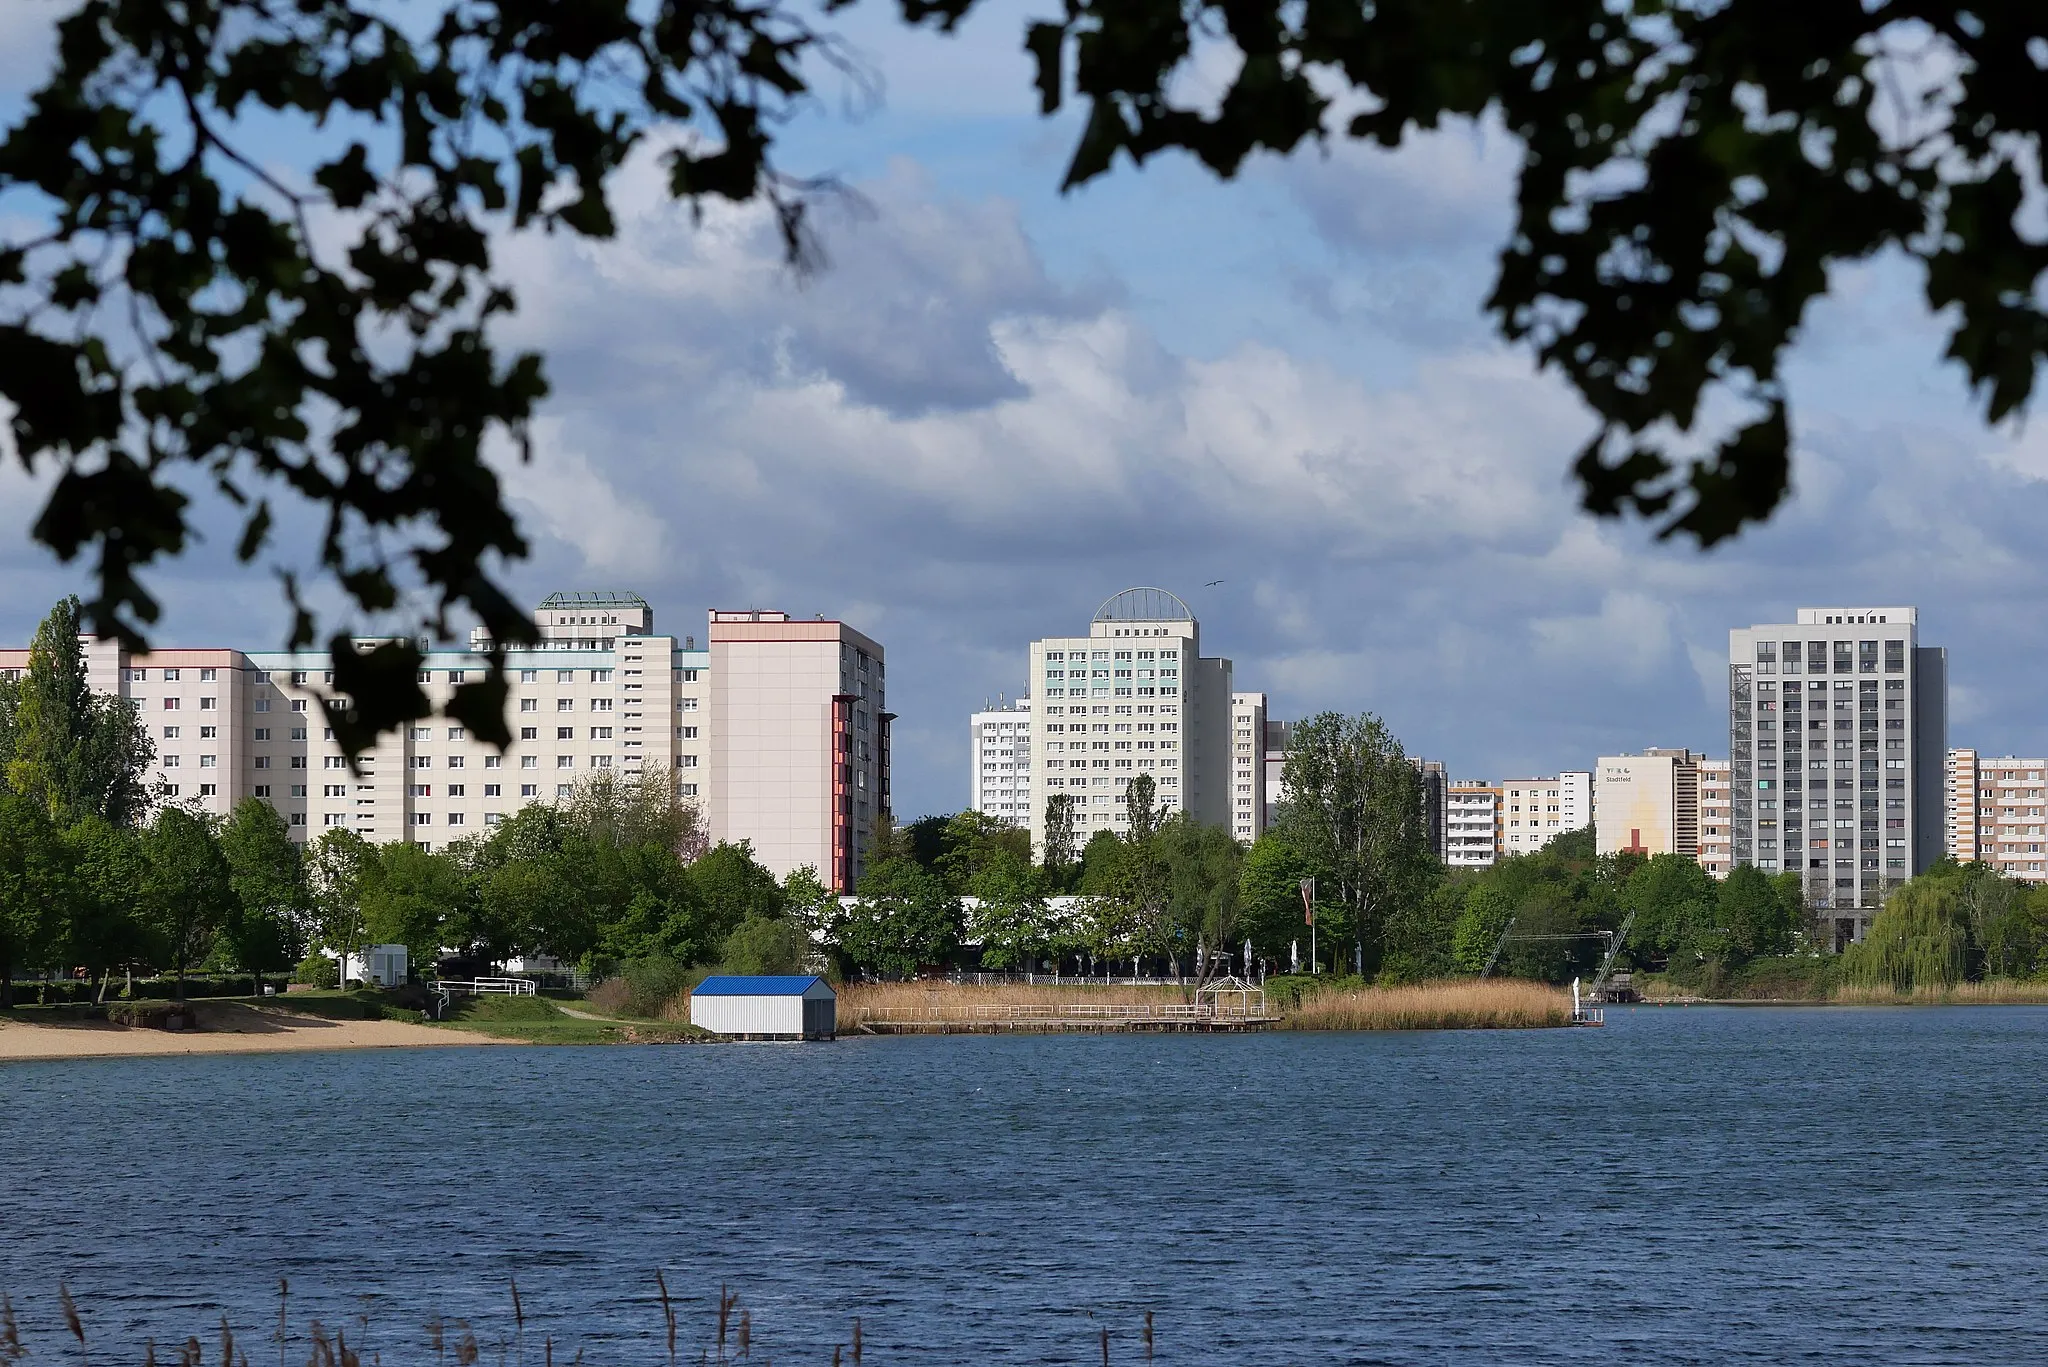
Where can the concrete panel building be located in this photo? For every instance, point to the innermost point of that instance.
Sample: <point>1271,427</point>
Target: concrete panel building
<point>1648,803</point>
<point>1247,765</point>
<point>999,750</point>
<point>1994,813</point>
<point>1717,811</point>
<point>1536,810</point>
<point>799,741</point>
<point>1838,747</point>
<point>1472,828</point>
<point>1133,696</point>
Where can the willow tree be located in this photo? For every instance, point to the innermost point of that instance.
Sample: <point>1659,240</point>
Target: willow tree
<point>1920,939</point>
<point>1354,810</point>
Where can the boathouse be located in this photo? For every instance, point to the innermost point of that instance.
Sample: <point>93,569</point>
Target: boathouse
<point>766,1007</point>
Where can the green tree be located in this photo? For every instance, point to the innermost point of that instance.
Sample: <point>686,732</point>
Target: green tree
<point>1269,896</point>
<point>1354,810</point>
<point>1061,853</point>
<point>1754,913</point>
<point>267,930</point>
<point>617,808</point>
<point>764,944</point>
<point>972,839</point>
<point>35,883</point>
<point>76,752</point>
<point>1099,859</point>
<point>1204,866</point>
<point>1482,920</point>
<point>410,896</point>
<point>1011,920</point>
<point>337,866</point>
<point>731,888</point>
<point>188,890</point>
<point>1921,938</point>
<point>105,927</point>
<point>1677,907</point>
<point>927,839</point>
<point>903,919</point>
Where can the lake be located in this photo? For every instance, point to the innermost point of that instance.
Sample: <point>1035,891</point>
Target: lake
<point>1698,1185</point>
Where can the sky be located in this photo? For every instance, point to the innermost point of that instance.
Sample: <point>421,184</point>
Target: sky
<point>998,405</point>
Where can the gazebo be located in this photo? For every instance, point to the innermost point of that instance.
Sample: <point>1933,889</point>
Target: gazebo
<point>1231,998</point>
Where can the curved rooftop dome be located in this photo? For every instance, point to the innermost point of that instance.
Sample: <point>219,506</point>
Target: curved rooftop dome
<point>1144,605</point>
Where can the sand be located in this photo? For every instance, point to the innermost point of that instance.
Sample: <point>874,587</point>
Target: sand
<point>224,1028</point>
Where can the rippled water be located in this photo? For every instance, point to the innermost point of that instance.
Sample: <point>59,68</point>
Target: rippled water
<point>1697,1185</point>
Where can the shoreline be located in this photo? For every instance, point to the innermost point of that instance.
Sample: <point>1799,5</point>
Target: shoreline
<point>224,1028</point>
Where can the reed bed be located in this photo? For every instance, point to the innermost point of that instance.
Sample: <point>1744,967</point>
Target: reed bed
<point>1495,1004</point>
<point>1993,992</point>
<point>857,1001</point>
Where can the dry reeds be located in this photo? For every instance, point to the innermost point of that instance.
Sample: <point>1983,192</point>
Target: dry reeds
<point>1991,992</point>
<point>858,1000</point>
<point>1494,1004</point>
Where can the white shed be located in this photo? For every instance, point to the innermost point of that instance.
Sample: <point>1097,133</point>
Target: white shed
<point>766,1007</point>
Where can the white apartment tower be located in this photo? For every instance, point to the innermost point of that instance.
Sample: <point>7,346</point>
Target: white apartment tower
<point>1838,739</point>
<point>1717,811</point>
<point>1133,696</point>
<point>999,783</point>
<point>1247,765</point>
<point>1472,827</point>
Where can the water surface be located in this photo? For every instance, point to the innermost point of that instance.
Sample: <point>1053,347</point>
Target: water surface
<point>1699,1185</point>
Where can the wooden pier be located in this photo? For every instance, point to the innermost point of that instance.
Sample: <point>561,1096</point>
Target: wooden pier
<point>1205,1018</point>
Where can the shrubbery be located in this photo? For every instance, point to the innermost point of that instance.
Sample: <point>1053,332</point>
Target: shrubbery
<point>317,970</point>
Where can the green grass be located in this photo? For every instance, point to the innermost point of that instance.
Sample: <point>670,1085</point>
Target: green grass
<point>539,1020</point>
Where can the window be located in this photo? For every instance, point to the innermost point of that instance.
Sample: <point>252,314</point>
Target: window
<point>170,733</point>
<point>209,704</point>
<point>298,704</point>
<point>208,762</point>
<point>600,733</point>
<point>206,675</point>
<point>529,790</point>
<point>565,761</point>
<point>600,676</point>
<point>298,761</point>
<point>686,704</point>
<point>262,790</point>
<point>529,733</point>
<point>334,790</point>
<point>687,675</point>
<point>529,761</point>
<point>421,762</point>
<point>687,761</point>
<point>170,704</point>
<point>601,705</point>
<point>565,733</point>
<point>420,790</point>
<point>455,761</point>
<point>262,761</point>
<point>493,789</point>
<point>687,732</point>
<point>263,704</point>
<point>170,790</point>
<point>492,818</point>
<point>529,676</point>
<point>494,761</point>
<point>209,733</point>
<point>208,789</point>
<point>298,818</point>
<point>563,790</point>
<point>329,762</point>
<point>298,732</point>
<point>455,818</point>
<point>456,733</point>
<point>565,704</point>
<point>422,819</point>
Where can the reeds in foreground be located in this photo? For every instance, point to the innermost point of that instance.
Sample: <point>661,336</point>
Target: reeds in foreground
<point>1494,1004</point>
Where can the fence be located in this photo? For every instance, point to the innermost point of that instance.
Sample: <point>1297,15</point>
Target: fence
<point>486,987</point>
<point>1027,1013</point>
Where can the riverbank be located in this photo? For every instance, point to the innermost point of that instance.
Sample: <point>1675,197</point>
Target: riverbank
<point>225,1027</point>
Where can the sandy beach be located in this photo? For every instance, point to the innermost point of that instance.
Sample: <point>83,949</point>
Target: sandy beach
<point>224,1028</point>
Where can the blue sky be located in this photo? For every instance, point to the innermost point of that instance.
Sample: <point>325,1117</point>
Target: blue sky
<point>999,405</point>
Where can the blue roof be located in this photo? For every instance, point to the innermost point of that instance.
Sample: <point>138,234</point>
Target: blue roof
<point>765,985</point>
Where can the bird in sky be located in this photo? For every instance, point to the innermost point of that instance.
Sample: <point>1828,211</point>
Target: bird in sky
<point>1212,583</point>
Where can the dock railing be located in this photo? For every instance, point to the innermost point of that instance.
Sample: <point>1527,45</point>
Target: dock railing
<point>486,987</point>
<point>1052,1012</point>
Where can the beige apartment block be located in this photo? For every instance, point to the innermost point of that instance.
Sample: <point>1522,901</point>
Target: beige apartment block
<point>1717,807</point>
<point>1133,696</point>
<point>1534,811</point>
<point>1648,803</point>
<point>1247,765</point>
<point>1472,824</point>
<point>1995,813</point>
<point>799,741</point>
<point>600,693</point>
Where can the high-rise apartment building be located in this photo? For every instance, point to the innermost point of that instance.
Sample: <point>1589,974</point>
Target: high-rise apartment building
<point>1279,734</point>
<point>1717,811</point>
<point>1536,810</point>
<point>1133,696</point>
<point>799,741</point>
<point>1472,828</point>
<point>1247,765</point>
<point>1995,813</point>
<point>999,781</point>
<point>1838,741</point>
<point>600,692</point>
<point>1648,803</point>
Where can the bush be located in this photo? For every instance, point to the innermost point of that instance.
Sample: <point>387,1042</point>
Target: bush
<point>317,970</point>
<point>644,987</point>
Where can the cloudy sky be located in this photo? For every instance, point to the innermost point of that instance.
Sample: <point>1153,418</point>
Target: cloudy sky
<point>999,405</point>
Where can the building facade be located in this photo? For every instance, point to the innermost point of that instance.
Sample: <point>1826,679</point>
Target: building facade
<point>1995,813</point>
<point>1278,735</point>
<point>600,693</point>
<point>999,778</point>
<point>1648,803</point>
<point>1838,747</point>
<point>1717,813</point>
<point>1472,827</point>
<point>1247,765</point>
<point>1534,811</point>
<point>1133,696</point>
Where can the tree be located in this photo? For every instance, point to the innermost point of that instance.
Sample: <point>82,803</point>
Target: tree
<point>1203,865</point>
<point>1354,810</point>
<point>731,888</point>
<point>34,885</point>
<point>1060,852</point>
<point>809,904</point>
<point>267,931</point>
<point>972,840</point>
<point>1677,907</point>
<point>410,895</point>
<point>1481,922</point>
<point>77,752</point>
<point>902,920</point>
<point>337,865</point>
<point>619,808</point>
<point>1921,938</point>
<point>188,890</point>
<point>927,839</point>
<point>105,927</point>
<point>1690,176</point>
<point>1011,921</point>
<point>1269,896</point>
<point>1754,913</point>
<point>764,944</point>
